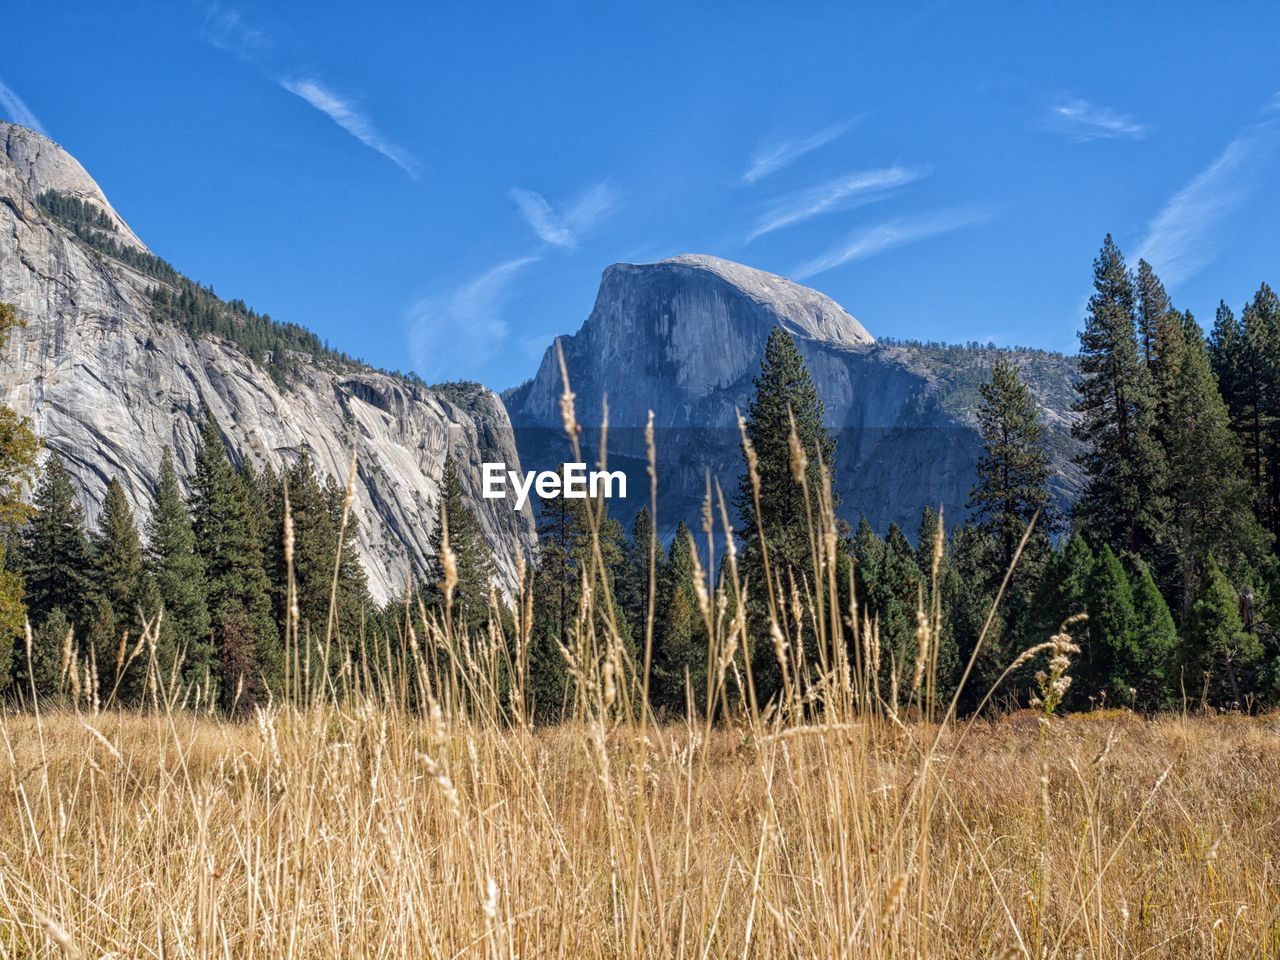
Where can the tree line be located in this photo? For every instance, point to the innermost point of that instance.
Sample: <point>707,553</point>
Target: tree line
<point>1168,553</point>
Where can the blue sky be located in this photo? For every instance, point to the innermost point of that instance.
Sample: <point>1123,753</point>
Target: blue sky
<point>438,187</point>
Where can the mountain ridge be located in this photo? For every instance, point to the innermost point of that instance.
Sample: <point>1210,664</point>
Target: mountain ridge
<point>109,382</point>
<point>684,337</point>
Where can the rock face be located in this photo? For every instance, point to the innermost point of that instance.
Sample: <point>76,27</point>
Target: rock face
<point>108,387</point>
<point>684,338</point>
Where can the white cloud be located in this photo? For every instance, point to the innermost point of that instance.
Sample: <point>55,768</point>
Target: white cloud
<point>226,28</point>
<point>1082,121</point>
<point>840,193</point>
<point>563,228</point>
<point>17,111</point>
<point>869,241</point>
<point>347,115</point>
<point>1182,238</point>
<point>772,157</point>
<point>458,333</point>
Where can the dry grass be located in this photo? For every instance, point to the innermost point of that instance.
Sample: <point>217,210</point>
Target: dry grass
<point>369,833</point>
<point>411,808</point>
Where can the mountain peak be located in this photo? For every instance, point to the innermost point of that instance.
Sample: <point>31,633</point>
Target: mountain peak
<point>40,164</point>
<point>803,310</point>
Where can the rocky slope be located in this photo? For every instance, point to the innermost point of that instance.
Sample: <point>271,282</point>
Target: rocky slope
<point>684,337</point>
<point>108,386</point>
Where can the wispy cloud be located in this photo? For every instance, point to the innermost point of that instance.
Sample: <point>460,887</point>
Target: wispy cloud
<point>456,334</point>
<point>879,237</point>
<point>564,227</point>
<point>346,114</point>
<point>1183,237</point>
<point>1082,121</point>
<point>16,110</point>
<point>226,28</point>
<point>773,156</point>
<point>841,193</point>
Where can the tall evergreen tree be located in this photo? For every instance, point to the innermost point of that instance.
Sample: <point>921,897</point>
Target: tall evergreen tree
<point>1152,306</point>
<point>1219,652</point>
<point>633,585</point>
<point>1208,493</point>
<point>116,552</point>
<point>472,556</point>
<point>55,551</point>
<point>177,569</point>
<point>783,391</point>
<point>784,394</point>
<point>1113,654</point>
<point>1122,504</point>
<point>1013,470</point>
<point>1157,644</point>
<point>680,652</point>
<point>229,544</point>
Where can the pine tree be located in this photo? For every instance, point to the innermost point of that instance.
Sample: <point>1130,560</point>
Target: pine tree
<point>783,391</point>
<point>1013,473</point>
<point>784,394</point>
<point>1153,306</point>
<point>1158,647</point>
<point>472,556</point>
<point>1208,493</point>
<point>1121,505</point>
<point>555,601</point>
<point>177,569</point>
<point>45,668</point>
<point>967,602</point>
<point>118,573</point>
<point>680,648</point>
<point>1245,355</point>
<point>1218,651</point>
<point>55,552</point>
<point>931,541</point>
<point>642,550</point>
<point>896,602</point>
<point>1114,658</point>
<point>228,541</point>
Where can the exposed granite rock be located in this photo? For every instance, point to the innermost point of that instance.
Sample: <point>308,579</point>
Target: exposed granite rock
<point>108,388</point>
<point>684,337</point>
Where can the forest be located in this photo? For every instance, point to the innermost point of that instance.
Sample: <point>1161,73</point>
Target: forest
<point>1166,564</point>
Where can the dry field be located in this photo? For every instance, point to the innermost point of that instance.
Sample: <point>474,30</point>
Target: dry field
<point>363,832</point>
<point>825,823</point>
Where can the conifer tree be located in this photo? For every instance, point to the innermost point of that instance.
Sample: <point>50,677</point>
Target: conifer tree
<point>118,573</point>
<point>931,537</point>
<point>1157,643</point>
<point>1208,493</point>
<point>784,394</point>
<point>228,541</point>
<point>55,551</point>
<point>1114,658</point>
<point>1218,650</point>
<point>642,550</point>
<point>681,645</point>
<point>1012,474</point>
<point>1153,307</point>
<point>45,667</point>
<point>472,556</point>
<point>1122,504</point>
<point>783,391</point>
<point>176,568</point>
